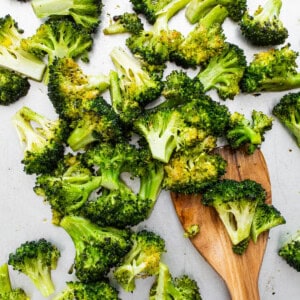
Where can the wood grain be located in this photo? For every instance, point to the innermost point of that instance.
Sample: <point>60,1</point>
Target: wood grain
<point>240,272</point>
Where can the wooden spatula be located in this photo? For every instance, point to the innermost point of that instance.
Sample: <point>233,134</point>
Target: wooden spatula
<point>240,272</point>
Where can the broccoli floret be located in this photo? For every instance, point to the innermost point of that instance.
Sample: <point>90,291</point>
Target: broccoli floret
<point>6,290</point>
<point>142,260</point>
<point>287,110</point>
<point>70,90</point>
<point>199,8</point>
<point>36,259</point>
<point>12,57</point>
<point>224,72</point>
<point>127,22</point>
<point>191,231</point>
<point>84,12</point>
<point>272,70</point>
<point>13,86</point>
<point>166,287</point>
<point>156,44</point>
<point>92,291</point>
<point>266,217</point>
<point>290,251</point>
<point>205,41</point>
<point>43,139</point>
<point>242,132</point>
<point>235,203</point>
<point>97,248</point>
<point>264,27</point>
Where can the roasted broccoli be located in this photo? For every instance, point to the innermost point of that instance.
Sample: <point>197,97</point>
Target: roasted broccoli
<point>97,248</point>
<point>141,261</point>
<point>127,22</point>
<point>84,12</point>
<point>287,110</point>
<point>156,44</point>
<point>6,290</point>
<point>224,72</point>
<point>43,139</point>
<point>264,27</point>
<point>12,57</point>
<point>36,259</point>
<point>166,287</point>
<point>290,251</point>
<point>242,132</point>
<point>191,231</point>
<point>13,86</point>
<point>272,70</point>
<point>204,41</point>
<point>199,8</point>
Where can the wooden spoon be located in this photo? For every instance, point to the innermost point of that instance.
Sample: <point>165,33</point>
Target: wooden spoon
<point>240,272</point>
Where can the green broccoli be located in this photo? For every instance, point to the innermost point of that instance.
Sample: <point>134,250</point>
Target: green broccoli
<point>242,132</point>
<point>12,57</point>
<point>204,41</point>
<point>166,287</point>
<point>43,139</point>
<point>191,231</point>
<point>91,291</point>
<point>13,86</point>
<point>36,259</point>
<point>235,203</point>
<point>141,261</point>
<point>84,12</point>
<point>98,249</point>
<point>156,44</point>
<point>287,110</point>
<point>199,8</point>
<point>224,72</point>
<point>6,290</point>
<point>290,251</point>
<point>272,70</point>
<point>127,22</point>
<point>264,27</point>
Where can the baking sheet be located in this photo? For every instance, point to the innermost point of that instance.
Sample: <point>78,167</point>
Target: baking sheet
<point>24,216</point>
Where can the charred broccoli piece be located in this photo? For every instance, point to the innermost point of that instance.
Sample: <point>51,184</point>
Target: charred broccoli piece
<point>36,259</point>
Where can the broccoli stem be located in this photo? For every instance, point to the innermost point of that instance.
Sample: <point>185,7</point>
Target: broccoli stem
<point>278,84</point>
<point>45,8</point>
<point>217,15</point>
<point>115,91</point>
<point>268,11</point>
<point>5,285</point>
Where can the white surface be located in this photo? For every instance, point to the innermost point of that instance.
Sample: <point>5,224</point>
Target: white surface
<point>24,216</point>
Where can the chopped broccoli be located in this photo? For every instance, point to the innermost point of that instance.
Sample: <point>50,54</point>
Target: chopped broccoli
<point>199,8</point>
<point>43,139</point>
<point>166,287</point>
<point>11,55</point>
<point>191,231</point>
<point>141,261</point>
<point>235,203</point>
<point>36,259</point>
<point>13,86</point>
<point>224,72</point>
<point>127,22</point>
<point>97,248</point>
<point>241,132</point>
<point>6,290</point>
<point>266,217</point>
<point>156,44</point>
<point>272,70</point>
<point>264,27</point>
<point>204,41</point>
<point>287,110</point>
<point>290,251</point>
<point>84,12</point>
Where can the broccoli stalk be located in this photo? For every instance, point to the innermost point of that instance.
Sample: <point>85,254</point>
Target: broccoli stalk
<point>36,259</point>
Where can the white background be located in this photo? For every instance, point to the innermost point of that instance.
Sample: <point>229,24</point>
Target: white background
<point>24,216</point>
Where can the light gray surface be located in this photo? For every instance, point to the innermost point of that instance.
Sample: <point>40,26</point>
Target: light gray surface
<point>24,216</point>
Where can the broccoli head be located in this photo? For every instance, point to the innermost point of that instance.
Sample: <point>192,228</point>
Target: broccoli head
<point>142,260</point>
<point>13,86</point>
<point>287,110</point>
<point>36,259</point>
<point>264,27</point>
<point>97,248</point>
<point>43,139</point>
